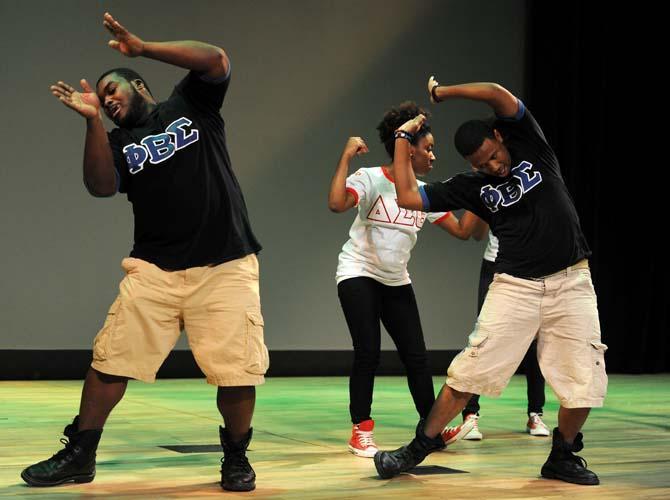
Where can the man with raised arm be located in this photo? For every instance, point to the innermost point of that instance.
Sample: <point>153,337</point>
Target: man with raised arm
<point>542,287</point>
<point>193,263</point>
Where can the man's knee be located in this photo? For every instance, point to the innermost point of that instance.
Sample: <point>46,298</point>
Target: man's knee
<point>455,393</point>
<point>106,378</point>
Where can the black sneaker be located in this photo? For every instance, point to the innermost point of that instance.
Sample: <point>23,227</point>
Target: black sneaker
<point>392,463</point>
<point>236,472</point>
<point>75,462</point>
<point>562,464</point>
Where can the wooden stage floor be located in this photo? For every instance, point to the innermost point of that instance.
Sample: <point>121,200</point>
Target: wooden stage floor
<point>162,442</point>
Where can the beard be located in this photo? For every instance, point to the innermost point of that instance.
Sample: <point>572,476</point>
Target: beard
<point>137,109</point>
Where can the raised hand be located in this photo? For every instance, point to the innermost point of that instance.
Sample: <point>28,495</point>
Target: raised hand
<point>414,125</point>
<point>85,103</point>
<point>355,146</point>
<point>124,41</point>
<point>432,86</point>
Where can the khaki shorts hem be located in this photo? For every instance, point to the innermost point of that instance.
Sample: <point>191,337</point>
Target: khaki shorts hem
<point>237,380</point>
<point>473,389</point>
<point>582,403</point>
<point>109,370</point>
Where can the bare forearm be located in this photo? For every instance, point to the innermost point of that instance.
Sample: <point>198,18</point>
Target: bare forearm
<point>99,172</point>
<point>452,225</point>
<point>469,225</point>
<point>337,197</point>
<point>406,186</point>
<point>480,231</point>
<point>500,99</point>
<point>202,57</point>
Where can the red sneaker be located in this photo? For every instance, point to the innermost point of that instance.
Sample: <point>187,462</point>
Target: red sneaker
<point>362,441</point>
<point>453,434</point>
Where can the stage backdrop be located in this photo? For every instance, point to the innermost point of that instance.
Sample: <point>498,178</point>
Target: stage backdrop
<point>306,75</point>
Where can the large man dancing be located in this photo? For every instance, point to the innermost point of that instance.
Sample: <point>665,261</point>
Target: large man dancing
<point>193,264</point>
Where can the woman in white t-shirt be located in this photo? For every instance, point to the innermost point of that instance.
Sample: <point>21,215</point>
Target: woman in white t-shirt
<point>372,280</point>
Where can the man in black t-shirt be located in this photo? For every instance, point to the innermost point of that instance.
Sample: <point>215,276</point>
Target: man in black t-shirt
<point>193,263</point>
<point>542,287</point>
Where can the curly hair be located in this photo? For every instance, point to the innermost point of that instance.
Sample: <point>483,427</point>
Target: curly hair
<point>394,118</point>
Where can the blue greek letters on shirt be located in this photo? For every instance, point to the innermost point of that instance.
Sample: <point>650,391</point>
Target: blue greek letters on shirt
<point>160,147</point>
<point>510,192</point>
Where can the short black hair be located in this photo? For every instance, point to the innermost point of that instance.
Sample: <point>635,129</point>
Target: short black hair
<point>470,136</point>
<point>394,118</point>
<point>128,74</point>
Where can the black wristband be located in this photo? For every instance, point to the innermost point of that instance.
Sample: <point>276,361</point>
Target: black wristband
<point>401,134</point>
<point>433,94</point>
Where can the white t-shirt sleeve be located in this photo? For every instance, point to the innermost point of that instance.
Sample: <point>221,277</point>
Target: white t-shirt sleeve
<point>359,184</point>
<point>437,217</point>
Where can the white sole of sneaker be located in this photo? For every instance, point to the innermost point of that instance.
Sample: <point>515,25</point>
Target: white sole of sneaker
<point>476,437</point>
<point>362,453</point>
<point>537,433</point>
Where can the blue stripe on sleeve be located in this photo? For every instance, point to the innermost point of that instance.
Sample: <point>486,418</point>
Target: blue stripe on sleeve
<point>522,110</point>
<point>519,114</point>
<point>218,80</point>
<point>424,199</point>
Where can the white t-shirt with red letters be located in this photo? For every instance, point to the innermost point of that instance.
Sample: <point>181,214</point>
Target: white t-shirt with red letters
<point>383,234</point>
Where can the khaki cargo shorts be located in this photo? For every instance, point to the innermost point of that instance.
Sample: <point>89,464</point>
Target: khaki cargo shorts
<point>218,306</point>
<point>561,311</point>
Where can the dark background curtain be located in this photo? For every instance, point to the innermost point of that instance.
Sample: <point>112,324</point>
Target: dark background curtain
<point>590,87</point>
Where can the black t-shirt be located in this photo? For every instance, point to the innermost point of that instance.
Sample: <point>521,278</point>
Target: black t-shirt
<point>530,211</point>
<point>174,166</point>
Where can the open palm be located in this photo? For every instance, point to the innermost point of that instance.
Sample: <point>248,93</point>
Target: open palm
<point>85,103</point>
<point>124,41</point>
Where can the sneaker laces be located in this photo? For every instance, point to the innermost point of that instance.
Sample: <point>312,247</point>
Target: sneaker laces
<point>452,430</point>
<point>475,427</point>
<point>536,420</point>
<point>365,438</point>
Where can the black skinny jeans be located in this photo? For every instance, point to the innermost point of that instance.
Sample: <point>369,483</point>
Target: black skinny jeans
<point>365,302</point>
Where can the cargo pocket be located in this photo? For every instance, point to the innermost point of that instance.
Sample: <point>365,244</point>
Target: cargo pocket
<point>258,359</point>
<point>476,341</point>
<point>102,341</point>
<point>598,366</point>
<point>462,367</point>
